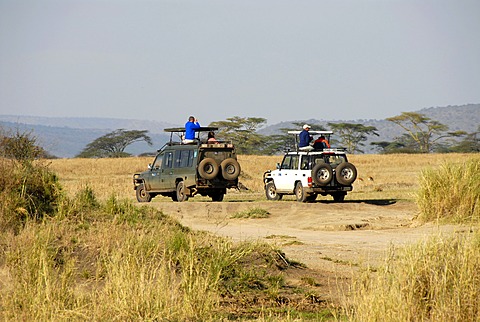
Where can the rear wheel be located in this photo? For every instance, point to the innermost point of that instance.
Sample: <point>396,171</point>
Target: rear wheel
<point>346,173</point>
<point>322,174</point>
<point>300,192</point>
<point>217,196</point>
<point>142,194</point>
<point>181,196</point>
<point>271,192</point>
<point>339,196</point>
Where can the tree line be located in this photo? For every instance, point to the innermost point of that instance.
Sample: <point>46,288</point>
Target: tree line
<point>421,134</point>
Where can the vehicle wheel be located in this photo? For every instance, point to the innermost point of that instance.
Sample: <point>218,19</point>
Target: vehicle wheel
<point>322,174</point>
<point>142,194</point>
<point>208,168</point>
<point>312,197</point>
<point>339,196</point>
<point>217,196</point>
<point>181,196</point>
<point>271,192</point>
<point>300,193</point>
<point>230,169</point>
<point>346,173</point>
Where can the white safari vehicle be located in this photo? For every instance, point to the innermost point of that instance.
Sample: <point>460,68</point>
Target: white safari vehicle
<point>309,174</point>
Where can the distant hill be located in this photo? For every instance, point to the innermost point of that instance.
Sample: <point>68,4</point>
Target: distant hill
<point>66,137</point>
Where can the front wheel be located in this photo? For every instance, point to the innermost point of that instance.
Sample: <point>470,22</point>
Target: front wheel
<point>271,192</point>
<point>300,192</point>
<point>181,196</point>
<point>142,194</point>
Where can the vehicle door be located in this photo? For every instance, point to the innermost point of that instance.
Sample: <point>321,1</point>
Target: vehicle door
<point>154,180</point>
<point>285,181</point>
<point>167,181</point>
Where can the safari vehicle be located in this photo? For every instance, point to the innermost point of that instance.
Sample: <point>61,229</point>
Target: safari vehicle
<point>182,170</point>
<point>309,174</point>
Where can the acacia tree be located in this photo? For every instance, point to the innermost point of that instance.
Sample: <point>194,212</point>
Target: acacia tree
<point>424,131</point>
<point>242,131</point>
<point>113,144</point>
<point>353,135</point>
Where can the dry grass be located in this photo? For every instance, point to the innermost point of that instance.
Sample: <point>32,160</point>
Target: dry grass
<point>394,176</point>
<point>435,280</point>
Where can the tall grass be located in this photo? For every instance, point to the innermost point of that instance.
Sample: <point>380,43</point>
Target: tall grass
<point>436,280</point>
<point>115,261</point>
<point>451,193</point>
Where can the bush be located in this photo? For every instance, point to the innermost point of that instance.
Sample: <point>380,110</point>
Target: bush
<point>451,193</point>
<point>28,189</point>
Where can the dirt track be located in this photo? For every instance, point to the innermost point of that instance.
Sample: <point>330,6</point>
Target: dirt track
<point>323,235</point>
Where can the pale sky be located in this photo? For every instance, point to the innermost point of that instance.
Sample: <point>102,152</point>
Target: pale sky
<point>280,60</point>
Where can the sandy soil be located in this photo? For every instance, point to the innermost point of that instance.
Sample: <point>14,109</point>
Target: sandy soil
<point>331,239</point>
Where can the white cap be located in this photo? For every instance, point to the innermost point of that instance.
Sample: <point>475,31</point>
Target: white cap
<point>306,126</point>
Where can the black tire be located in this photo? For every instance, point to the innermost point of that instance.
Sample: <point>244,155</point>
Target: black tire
<point>217,197</point>
<point>208,168</point>
<point>322,174</point>
<point>142,194</point>
<point>346,173</point>
<point>181,196</point>
<point>300,192</point>
<point>271,192</point>
<point>339,196</point>
<point>230,169</point>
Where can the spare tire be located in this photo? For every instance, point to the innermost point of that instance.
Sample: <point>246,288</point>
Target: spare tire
<point>322,174</point>
<point>208,168</point>
<point>230,169</point>
<point>346,173</point>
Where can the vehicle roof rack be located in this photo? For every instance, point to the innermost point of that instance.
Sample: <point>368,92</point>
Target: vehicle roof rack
<point>182,129</point>
<point>297,132</point>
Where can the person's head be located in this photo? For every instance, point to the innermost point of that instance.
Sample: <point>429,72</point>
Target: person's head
<point>321,137</point>
<point>306,127</point>
<point>211,134</point>
<point>191,119</point>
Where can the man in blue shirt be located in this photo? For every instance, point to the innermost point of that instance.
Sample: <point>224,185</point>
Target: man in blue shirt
<point>190,128</point>
<point>305,138</point>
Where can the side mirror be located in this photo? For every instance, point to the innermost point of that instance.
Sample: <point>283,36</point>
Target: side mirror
<point>149,166</point>
<point>278,166</point>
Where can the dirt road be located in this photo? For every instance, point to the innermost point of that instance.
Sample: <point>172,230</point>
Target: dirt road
<point>323,235</point>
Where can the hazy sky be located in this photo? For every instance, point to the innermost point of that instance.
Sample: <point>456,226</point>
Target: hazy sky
<point>281,60</point>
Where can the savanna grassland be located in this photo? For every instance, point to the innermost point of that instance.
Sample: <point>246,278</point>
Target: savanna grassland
<point>98,255</point>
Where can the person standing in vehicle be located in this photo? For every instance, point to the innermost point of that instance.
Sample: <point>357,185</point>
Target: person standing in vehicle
<point>190,128</point>
<point>305,139</point>
<point>321,143</point>
<point>211,137</point>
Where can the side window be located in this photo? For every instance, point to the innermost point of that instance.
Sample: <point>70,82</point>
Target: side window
<point>286,162</point>
<point>168,160</point>
<point>178,159</point>
<point>157,164</point>
<point>294,163</point>
<point>186,158</point>
<point>290,162</point>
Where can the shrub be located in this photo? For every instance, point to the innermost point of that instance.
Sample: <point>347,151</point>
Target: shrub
<point>451,193</point>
